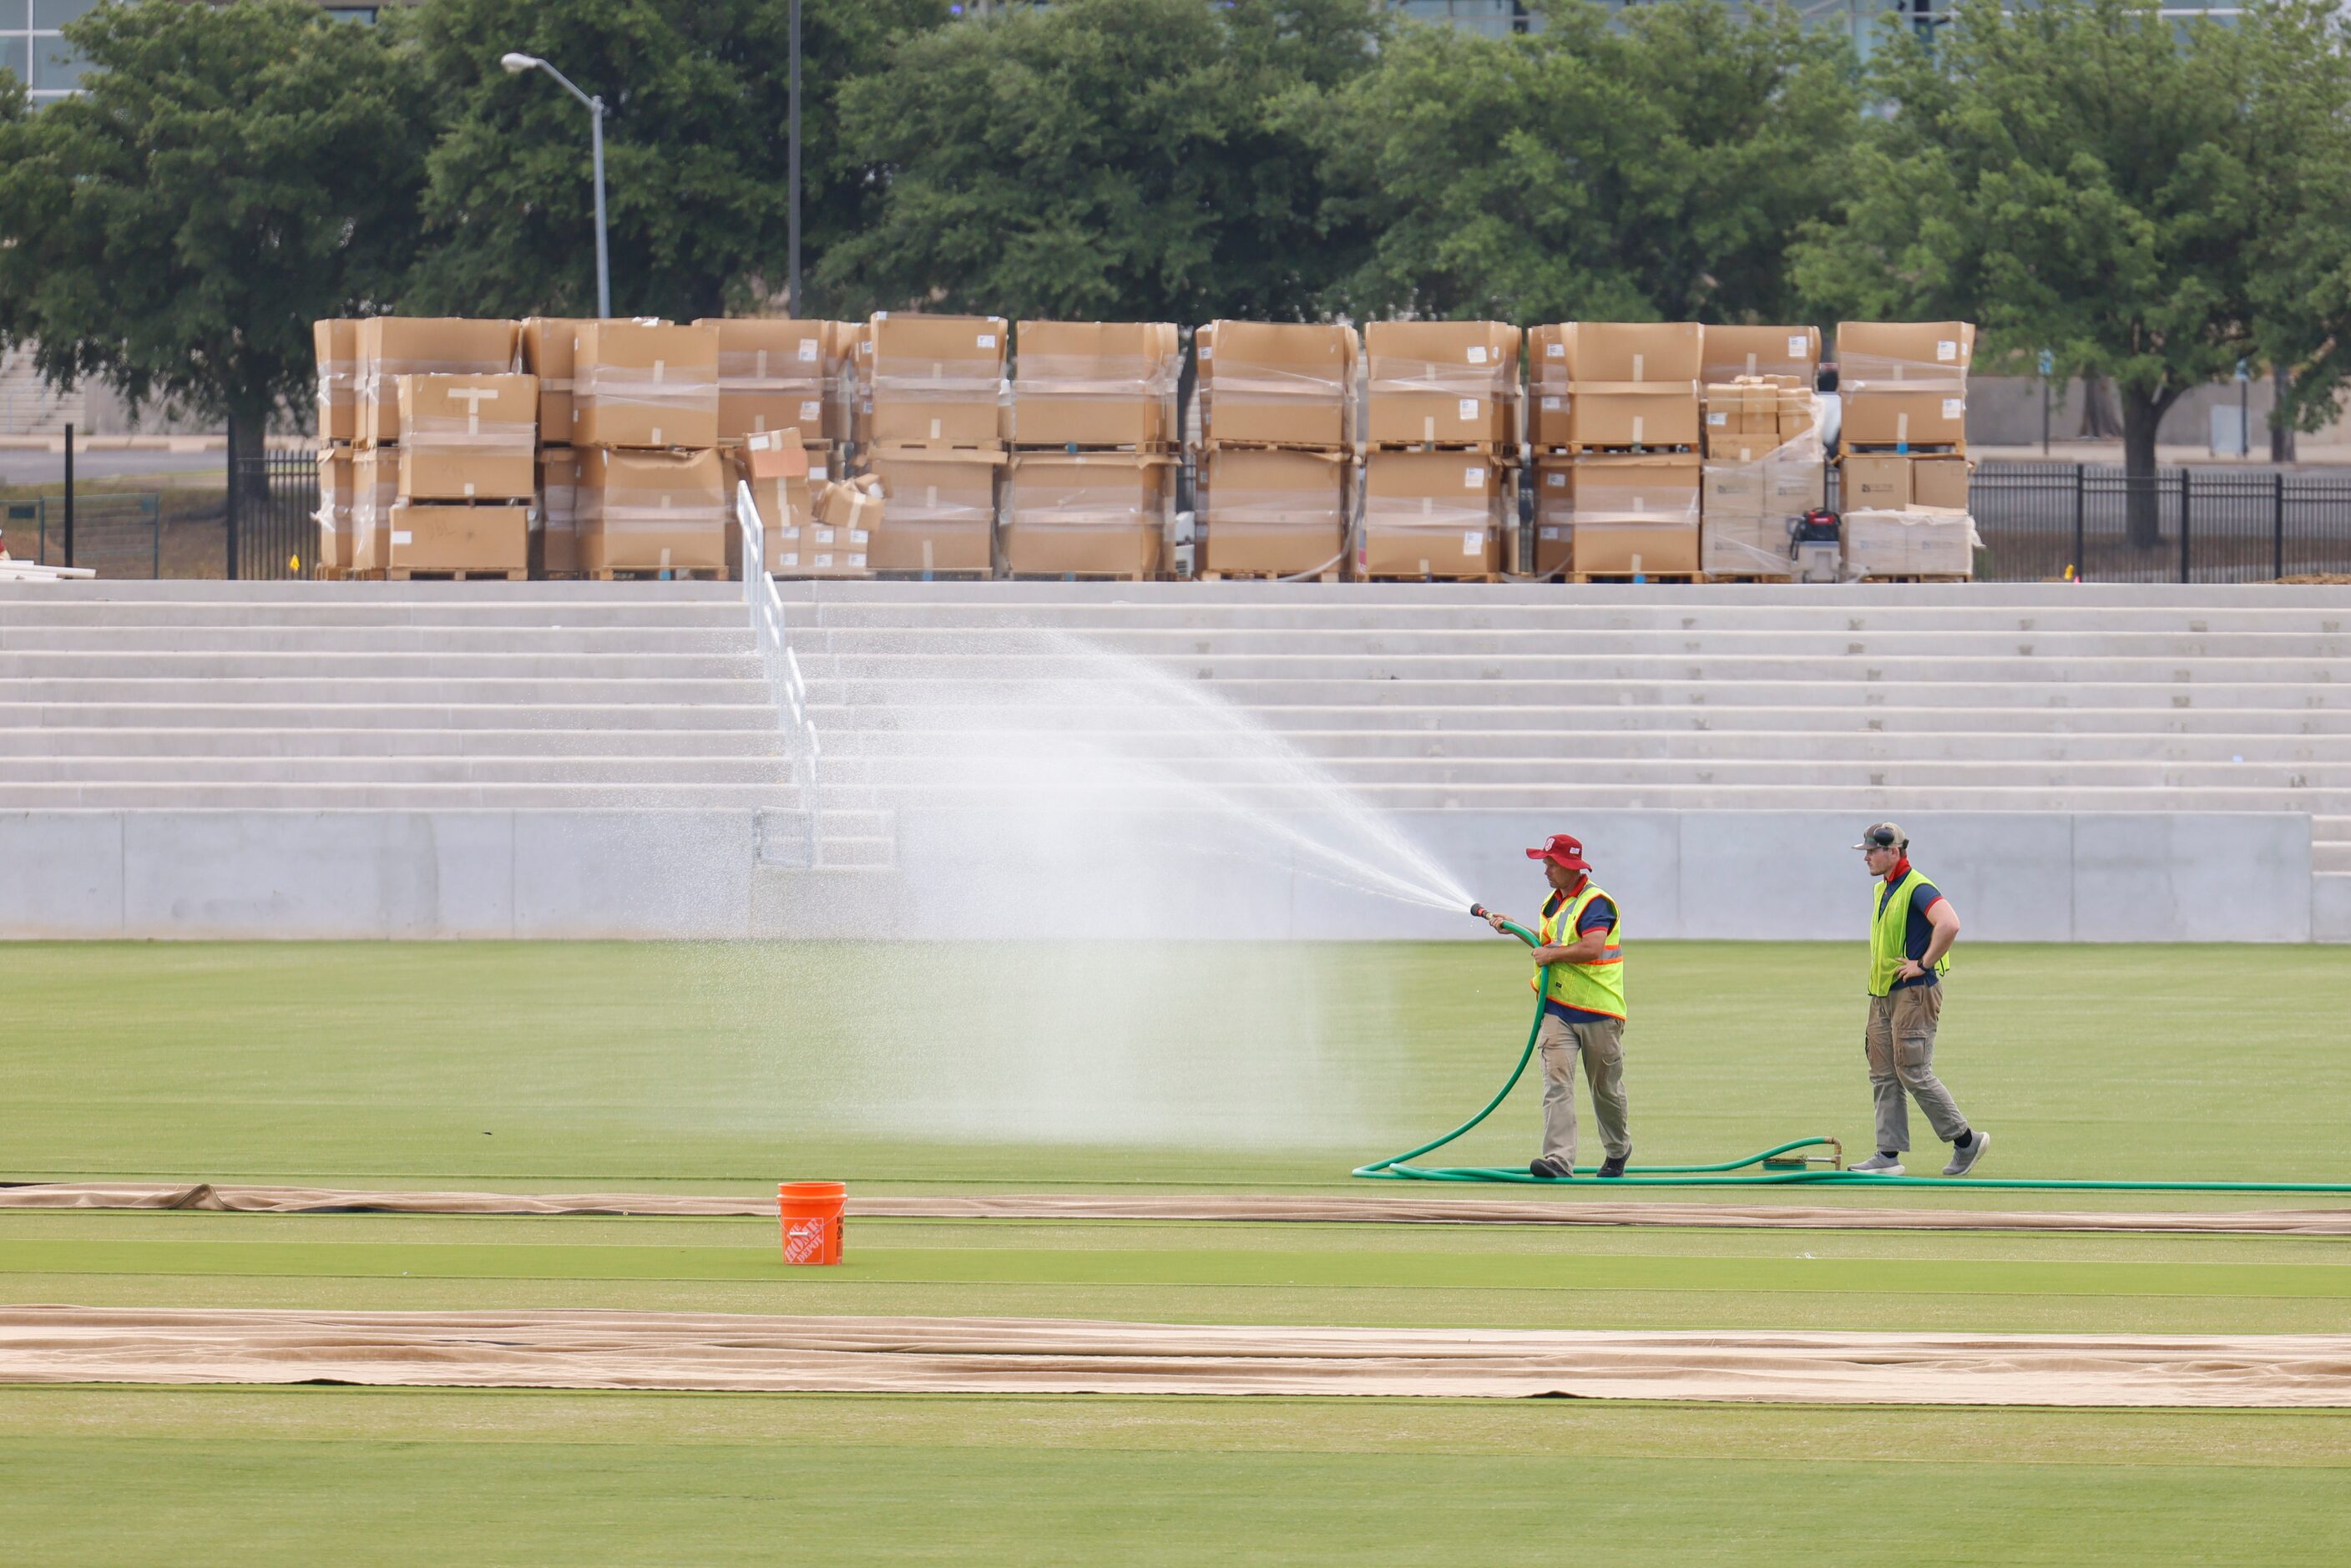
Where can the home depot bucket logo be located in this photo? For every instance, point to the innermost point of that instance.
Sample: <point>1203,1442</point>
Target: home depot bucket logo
<point>804,1241</point>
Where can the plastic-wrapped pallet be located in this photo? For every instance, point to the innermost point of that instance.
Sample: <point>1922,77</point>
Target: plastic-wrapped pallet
<point>1919,541</point>
<point>1764,468</point>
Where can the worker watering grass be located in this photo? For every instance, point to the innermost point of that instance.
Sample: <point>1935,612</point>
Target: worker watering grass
<point>1910,937</point>
<point>1580,974</point>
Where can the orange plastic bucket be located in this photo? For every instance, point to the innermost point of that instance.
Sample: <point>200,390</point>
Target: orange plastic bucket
<point>812,1215</point>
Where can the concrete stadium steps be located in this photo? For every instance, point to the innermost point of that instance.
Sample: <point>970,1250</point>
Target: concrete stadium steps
<point>1870,698</point>
<point>416,696</point>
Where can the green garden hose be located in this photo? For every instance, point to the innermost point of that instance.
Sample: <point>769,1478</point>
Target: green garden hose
<point>1397,1167</point>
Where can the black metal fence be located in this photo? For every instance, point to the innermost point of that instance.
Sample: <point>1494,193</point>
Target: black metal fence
<point>119,533</point>
<point>273,505</point>
<point>2179,525</point>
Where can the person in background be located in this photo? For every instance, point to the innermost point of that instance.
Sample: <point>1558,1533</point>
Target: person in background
<point>1910,938</point>
<point>1579,972</point>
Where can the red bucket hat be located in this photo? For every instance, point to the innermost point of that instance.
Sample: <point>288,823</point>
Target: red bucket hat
<point>1567,850</point>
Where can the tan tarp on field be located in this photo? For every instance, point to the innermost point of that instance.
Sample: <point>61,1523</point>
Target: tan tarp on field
<point>974,1355</point>
<point>1383,1209</point>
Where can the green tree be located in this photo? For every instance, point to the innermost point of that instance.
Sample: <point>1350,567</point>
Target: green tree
<point>698,101</point>
<point>2152,202</point>
<point>1653,168</point>
<point>1103,158</point>
<point>228,174</point>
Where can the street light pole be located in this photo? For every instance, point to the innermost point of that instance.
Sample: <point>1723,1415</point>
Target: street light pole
<point>515,65</point>
<point>799,310</point>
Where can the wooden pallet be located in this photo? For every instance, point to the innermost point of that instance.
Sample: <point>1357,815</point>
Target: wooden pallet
<point>652,573</point>
<point>1498,452</point>
<point>1083,577</point>
<point>1429,577</point>
<point>1898,449</point>
<point>408,574</point>
<point>1072,449</point>
<point>1582,577</point>
<point>1330,576</point>
<point>941,574</point>
<point>1578,449</point>
<point>1928,577</point>
<point>1750,576</point>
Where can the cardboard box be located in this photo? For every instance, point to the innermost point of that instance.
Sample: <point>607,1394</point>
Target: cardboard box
<point>1547,386</point>
<point>1600,511</point>
<point>467,438</point>
<point>935,380</point>
<point>644,384</point>
<point>1272,511</point>
<point>555,522</point>
<point>390,347</point>
<point>1454,383</point>
<point>1745,546</point>
<point>1729,489</point>
<point>333,550</point>
<point>1795,484</point>
<point>941,511</point>
<point>774,465</point>
<point>375,483</point>
<point>486,539</point>
<point>336,344</point>
<point>1913,543</point>
<point>1631,353</point>
<point>1876,482</point>
<point>1941,483</point>
<point>652,511</point>
<point>1787,354</point>
<point>1095,383</point>
<point>1086,511</point>
<point>773,375</point>
<point>834,537</point>
<point>1624,415</point>
<point>1434,514</point>
<point>1740,446</point>
<point>1283,383</point>
<point>1905,382</point>
<point>546,343</point>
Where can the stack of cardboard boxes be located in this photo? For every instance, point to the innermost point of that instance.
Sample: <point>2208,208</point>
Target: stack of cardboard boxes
<point>650,496</point>
<point>336,344</point>
<point>1616,427</point>
<point>1093,475</point>
<point>546,345</point>
<point>931,407</point>
<point>1764,463</point>
<point>1903,453</point>
<point>443,430</point>
<point>1441,422</point>
<point>1275,460</point>
<point>782,418</point>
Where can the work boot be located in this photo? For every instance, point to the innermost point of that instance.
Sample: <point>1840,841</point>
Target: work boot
<point>1550,1169</point>
<point>1879,1163</point>
<point>1964,1160</point>
<point>1613,1165</point>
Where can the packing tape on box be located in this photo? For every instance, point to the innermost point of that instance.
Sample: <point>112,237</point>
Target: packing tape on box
<point>910,504</point>
<point>339,381</point>
<point>1405,373</point>
<point>644,386</point>
<point>471,435</point>
<point>1252,378</point>
<point>374,374</point>
<point>1275,509</point>
<point>1883,372</point>
<point>1745,545</point>
<point>979,385</point>
<point>1115,377</point>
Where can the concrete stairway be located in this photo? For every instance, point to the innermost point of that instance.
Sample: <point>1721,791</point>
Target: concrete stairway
<point>1875,700</point>
<point>406,697</point>
<point>29,406</point>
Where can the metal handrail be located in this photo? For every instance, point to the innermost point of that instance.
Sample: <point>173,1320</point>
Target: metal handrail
<point>785,682</point>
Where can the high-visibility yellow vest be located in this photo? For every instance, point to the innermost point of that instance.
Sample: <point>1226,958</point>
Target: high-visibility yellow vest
<point>1890,926</point>
<point>1597,987</point>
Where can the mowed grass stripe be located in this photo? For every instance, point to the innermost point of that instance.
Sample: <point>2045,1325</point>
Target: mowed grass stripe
<point>1176,1266</point>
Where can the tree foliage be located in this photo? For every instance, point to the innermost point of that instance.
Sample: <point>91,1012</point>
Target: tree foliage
<point>2152,203</point>
<point>1102,159</point>
<point>1652,168</point>
<point>697,98</point>
<point>227,174</point>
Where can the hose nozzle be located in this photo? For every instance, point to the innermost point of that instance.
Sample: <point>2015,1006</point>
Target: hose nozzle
<point>1478,910</point>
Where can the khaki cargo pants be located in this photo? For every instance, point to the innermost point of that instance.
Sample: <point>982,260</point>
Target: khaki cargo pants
<point>1900,1043</point>
<point>1602,1046</point>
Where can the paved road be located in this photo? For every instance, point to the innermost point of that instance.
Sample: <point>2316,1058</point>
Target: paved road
<point>50,468</point>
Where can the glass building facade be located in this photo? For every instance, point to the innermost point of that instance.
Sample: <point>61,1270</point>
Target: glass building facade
<point>31,49</point>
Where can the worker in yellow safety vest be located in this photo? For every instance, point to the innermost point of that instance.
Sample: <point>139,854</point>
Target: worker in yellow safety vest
<point>1580,971</point>
<point>1912,927</point>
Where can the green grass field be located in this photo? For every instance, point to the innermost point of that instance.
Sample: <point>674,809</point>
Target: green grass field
<point>714,1067</point>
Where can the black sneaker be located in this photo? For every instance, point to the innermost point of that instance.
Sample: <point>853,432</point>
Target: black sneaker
<point>1550,1169</point>
<point>1613,1165</point>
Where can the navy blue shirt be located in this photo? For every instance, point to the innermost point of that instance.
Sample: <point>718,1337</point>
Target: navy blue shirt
<point>1598,915</point>
<point>1916,929</point>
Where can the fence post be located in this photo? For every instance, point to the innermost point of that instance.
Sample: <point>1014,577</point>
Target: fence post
<point>2081,549</point>
<point>230,498</point>
<point>69,496</point>
<point>155,536</point>
<point>2277,524</point>
<point>2184,477</point>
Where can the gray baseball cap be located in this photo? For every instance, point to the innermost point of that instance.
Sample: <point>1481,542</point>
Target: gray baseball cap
<point>1882,836</point>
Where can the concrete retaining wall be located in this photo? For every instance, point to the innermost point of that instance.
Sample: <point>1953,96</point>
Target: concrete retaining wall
<point>2042,877</point>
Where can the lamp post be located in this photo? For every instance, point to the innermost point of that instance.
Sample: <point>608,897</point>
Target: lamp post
<point>515,65</point>
<point>800,306</point>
